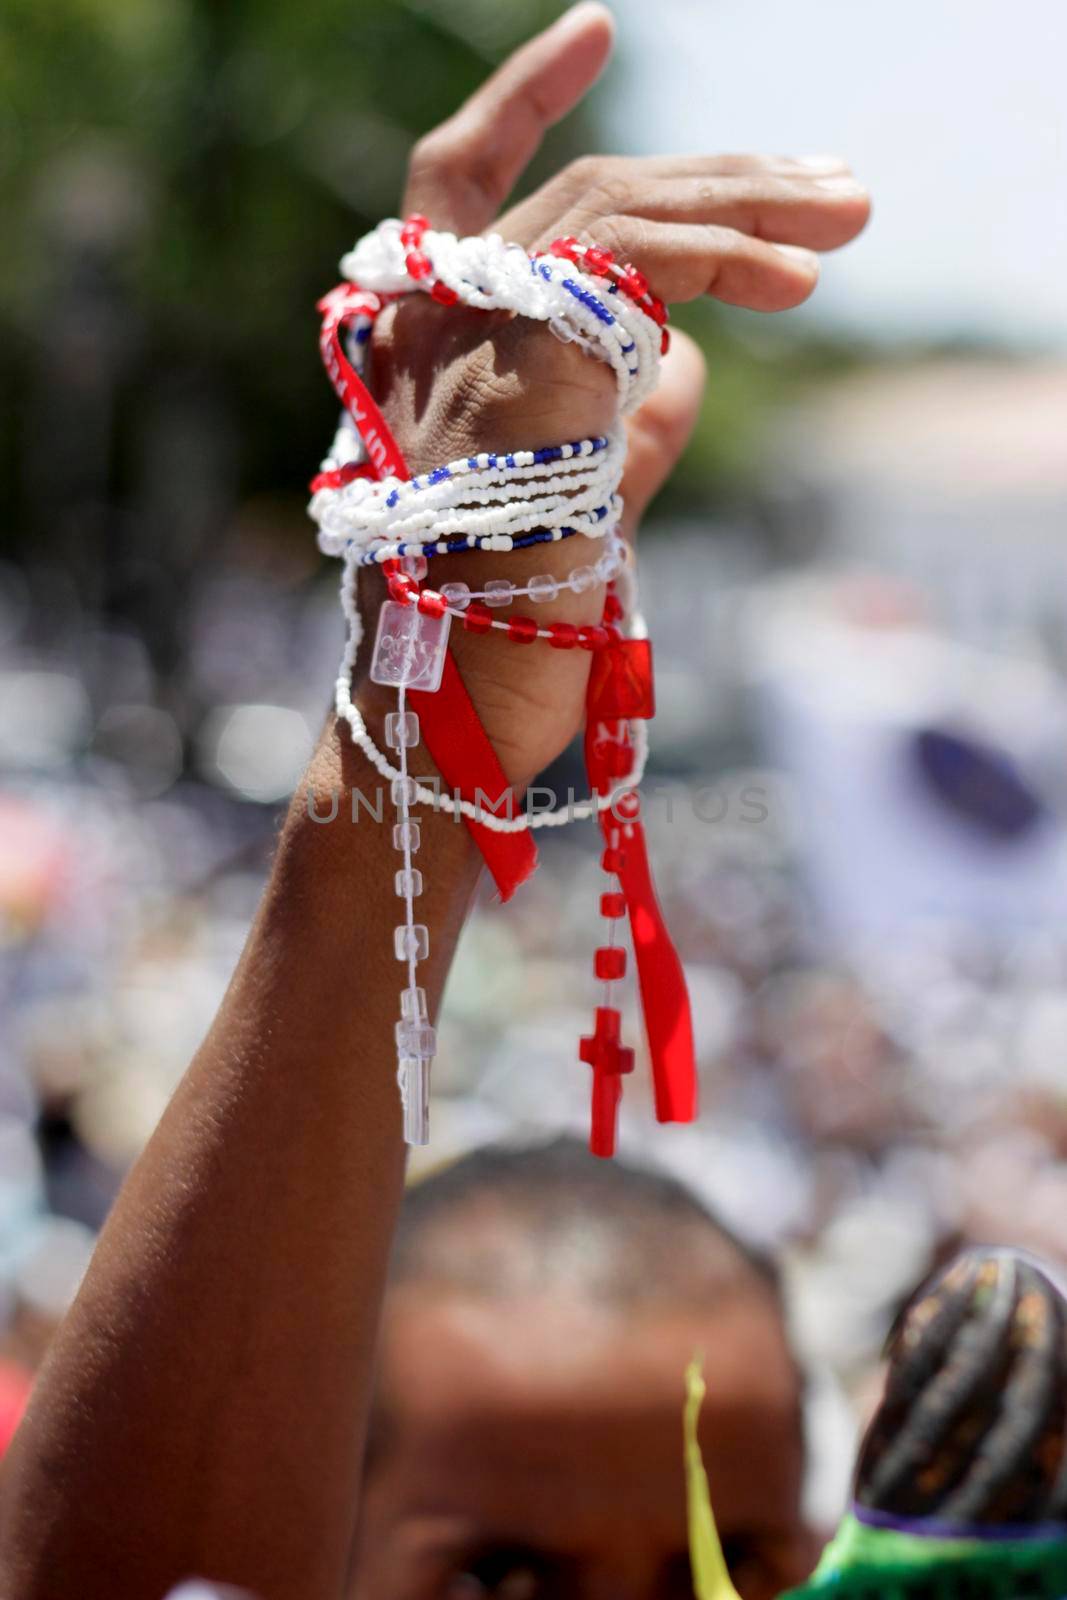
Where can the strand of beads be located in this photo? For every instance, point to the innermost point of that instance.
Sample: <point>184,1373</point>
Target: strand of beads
<point>603,1050</point>
<point>484,273</point>
<point>572,486</point>
<point>441,799</point>
<point>471,607</point>
<point>500,503</point>
<point>462,546</point>
<point>625,279</point>
<point>416,1039</point>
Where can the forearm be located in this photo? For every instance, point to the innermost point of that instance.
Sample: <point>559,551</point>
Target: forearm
<point>203,1407</point>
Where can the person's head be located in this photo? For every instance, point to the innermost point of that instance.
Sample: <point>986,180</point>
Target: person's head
<point>971,1427</point>
<point>527,1435</point>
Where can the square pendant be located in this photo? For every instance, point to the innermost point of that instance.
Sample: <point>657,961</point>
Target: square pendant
<point>620,682</point>
<point>409,647</point>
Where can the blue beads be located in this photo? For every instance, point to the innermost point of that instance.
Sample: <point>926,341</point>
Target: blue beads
<point>599,310</point>
<point>452,547</point>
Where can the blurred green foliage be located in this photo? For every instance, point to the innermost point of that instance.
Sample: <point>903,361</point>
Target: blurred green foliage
<point>211,159</point>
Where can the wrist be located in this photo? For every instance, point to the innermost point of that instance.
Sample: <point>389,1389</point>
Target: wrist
<point>452,381</point>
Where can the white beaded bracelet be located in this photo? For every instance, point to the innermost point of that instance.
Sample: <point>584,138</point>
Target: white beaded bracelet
<point>489,275</point>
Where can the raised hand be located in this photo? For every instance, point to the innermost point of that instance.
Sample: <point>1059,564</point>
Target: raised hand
<point>743,229</point>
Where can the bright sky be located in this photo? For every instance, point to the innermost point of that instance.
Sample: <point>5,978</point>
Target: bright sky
<point>954,112</point>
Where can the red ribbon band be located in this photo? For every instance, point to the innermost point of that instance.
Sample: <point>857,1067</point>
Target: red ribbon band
<point>620,687</point>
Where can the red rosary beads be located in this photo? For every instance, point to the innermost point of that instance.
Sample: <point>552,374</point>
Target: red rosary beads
<point>478,618</point>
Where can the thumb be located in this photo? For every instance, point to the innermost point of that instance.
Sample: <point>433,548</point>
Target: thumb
<point>659,432</point>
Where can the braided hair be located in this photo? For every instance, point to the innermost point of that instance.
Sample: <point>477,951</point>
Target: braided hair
<point>971,1428</point>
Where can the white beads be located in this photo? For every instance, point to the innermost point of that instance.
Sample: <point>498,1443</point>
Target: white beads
<point>416,1039</point>
<point>401,729</point>
<point>543,587</point>
<point>413,1005</point>
<point>609,564</point>
<point>407,836</point>
<point>488,274</point>
<point>490,501</point>
<point>411,942</point>
<point>568,487</point>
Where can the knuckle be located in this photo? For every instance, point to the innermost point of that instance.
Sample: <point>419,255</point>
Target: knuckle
<point>579,173</point>
<point>626,237</point>
<point>434,153</point>
<point>610,191</point>
<point>593,182</point>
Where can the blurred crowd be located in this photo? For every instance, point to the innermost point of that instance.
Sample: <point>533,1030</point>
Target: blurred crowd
<point>857,790</point>
<point>880,1064</point>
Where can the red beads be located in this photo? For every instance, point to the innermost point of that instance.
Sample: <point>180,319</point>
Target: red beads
<point>402,588</point>
<point>432,604</point>
<point>477,618</point>
<point>567,247</point>
<point>601,263</point>
<point>665,341</point>
<point>417,264</point>
<point>592,637</point>
<point>598,260</point>
<point>412,231</point>
<point>613,611</point>
<point>613,859</point>
<point>633,282</point>
<point>522,629</point>
<point>609,962</point>
<point>562,635</point>
<point>613,905</point>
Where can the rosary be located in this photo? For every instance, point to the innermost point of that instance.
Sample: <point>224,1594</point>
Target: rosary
<point>370,511</point>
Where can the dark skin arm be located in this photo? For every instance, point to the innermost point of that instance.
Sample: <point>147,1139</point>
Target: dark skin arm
<point>203,1407</point>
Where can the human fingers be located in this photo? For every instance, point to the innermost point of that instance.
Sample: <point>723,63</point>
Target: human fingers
<point>462,171</point>
<point>745,191</point>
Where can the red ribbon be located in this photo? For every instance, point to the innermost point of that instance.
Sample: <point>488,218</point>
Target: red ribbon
<point>448,721</point>
<point>620,687</point>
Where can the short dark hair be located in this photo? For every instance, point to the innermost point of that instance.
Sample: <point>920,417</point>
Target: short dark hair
<point>614,1230</point>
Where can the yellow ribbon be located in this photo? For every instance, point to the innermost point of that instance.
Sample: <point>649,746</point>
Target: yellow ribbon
<point>711,1579</point>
